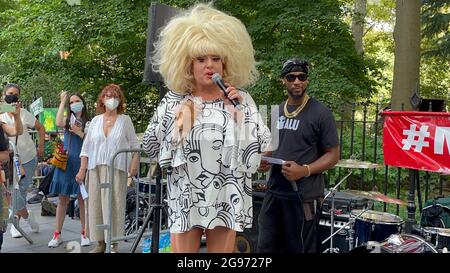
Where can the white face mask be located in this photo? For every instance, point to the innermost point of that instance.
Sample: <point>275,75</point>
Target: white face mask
<point>76,107</point>
<point>111,103</point>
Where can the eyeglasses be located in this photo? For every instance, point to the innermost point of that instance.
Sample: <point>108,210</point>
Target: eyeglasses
<point>300,77</point>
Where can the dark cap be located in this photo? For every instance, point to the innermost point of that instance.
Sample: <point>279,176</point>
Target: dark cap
<point>294,65</point>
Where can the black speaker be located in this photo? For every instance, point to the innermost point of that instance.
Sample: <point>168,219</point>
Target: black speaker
<point>339,240</point>
<point>431,105</point>
<point>158,16</point>
<point>247,241</point>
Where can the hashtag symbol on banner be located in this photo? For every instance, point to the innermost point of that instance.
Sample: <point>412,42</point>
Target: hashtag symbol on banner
<point>415,138</point>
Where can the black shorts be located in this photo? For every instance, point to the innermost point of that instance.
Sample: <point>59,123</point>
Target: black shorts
<point>284,227</point>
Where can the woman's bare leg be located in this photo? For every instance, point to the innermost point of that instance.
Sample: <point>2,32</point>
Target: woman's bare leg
<point>61,210</point>
<point>220,240</point>
<point>186,242</point>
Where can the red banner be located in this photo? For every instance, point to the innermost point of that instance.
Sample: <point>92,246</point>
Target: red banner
<point>417,140</point>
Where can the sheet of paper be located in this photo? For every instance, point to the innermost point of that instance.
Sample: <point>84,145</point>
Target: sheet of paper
<point>273,160</point>
<point>83,192</point>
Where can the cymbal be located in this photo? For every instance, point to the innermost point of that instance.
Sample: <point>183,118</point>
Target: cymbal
<point>437,230</point>
<point>377,196</point>
<point>356,164</point>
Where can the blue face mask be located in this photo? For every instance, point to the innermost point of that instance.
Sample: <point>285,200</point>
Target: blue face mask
<point>76,107</point>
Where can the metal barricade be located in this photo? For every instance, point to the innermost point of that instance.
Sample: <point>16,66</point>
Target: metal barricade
<point>15,191</point>
<point>137,231</point>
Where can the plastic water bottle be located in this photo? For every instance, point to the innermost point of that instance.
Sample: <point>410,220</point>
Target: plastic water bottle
<point>164,244</point>
<point>17,165</point>
<point>147,245</point>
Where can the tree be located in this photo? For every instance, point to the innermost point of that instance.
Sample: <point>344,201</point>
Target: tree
<point>435,67</point>
<point>358,25</point>
<point>104,42</point>
<point>310,29</point>
<point>407,53</point>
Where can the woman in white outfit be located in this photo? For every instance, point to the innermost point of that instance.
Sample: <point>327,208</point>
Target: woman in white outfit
<point>108,132</point>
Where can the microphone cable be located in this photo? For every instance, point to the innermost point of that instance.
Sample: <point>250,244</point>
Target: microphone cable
<point>302,212</point>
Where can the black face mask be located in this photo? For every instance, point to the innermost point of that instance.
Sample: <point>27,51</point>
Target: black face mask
<point>11,98</point>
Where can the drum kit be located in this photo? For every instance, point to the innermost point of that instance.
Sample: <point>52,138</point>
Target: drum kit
<point>374,231</point>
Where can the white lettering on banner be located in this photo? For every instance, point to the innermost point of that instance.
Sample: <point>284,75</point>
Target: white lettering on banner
<point>415,138</point>
<point>442,134</point>
<point>288,124</point>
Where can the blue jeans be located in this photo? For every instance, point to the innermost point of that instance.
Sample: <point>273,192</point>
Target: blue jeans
<point>24,184</point>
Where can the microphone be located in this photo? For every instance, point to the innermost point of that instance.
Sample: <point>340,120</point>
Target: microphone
<point>293,183</point>
<point>217,79</point>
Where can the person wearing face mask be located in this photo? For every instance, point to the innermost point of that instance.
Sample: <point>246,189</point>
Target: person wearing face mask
<point>27,151</point>
<point>108,132</point>
<point>64,183</point>
<point>5,197</point>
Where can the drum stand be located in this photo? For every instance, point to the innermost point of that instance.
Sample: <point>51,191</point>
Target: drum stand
<point>16,178</point>
<point>350,232</point>
<point>155,212</point>
<point>333,193</point>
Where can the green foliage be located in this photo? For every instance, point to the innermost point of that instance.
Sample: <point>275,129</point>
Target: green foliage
<point>435,67</point>
<point>105,41</point>
<point>436,27</point>
<point>434,78</point>
<point>309,29</point>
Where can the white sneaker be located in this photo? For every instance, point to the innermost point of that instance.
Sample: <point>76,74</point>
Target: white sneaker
<point>14,232</point>
<point>85,240</point>
<point>56,240</point>
<point>31,220</point>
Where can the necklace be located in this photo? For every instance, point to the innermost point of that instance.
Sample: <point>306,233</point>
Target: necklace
<point>296,111</point>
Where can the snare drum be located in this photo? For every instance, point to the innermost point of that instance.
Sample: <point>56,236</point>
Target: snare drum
<point>406,243</point>
<point>374,225</point>
<point>440,237</point>
<point>397,243</point>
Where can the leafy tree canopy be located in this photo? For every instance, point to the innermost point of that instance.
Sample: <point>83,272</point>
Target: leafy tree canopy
<point>436,27</point>
<point>49,46</point>
<point>104,41</point>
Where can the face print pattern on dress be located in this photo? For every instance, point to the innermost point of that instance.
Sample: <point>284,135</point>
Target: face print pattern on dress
<point>212,194</point>
<point>155,139</point>
<point>203,152</point>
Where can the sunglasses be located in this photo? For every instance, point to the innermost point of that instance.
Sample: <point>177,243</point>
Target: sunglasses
<point>300,77</point>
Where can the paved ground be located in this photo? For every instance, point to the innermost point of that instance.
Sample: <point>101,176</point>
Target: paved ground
<point>70,235</point>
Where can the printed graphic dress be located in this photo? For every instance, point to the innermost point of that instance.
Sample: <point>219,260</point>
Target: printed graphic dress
<point>210,180</point>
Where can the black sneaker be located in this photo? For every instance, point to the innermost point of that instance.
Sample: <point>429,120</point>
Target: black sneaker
<point>35,199</point>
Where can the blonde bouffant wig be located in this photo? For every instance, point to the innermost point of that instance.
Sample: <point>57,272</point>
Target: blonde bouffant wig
<point>200,31</point>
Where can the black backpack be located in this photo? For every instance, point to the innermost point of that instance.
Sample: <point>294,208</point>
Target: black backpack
<point>436,213</point>
<point>44,186</point>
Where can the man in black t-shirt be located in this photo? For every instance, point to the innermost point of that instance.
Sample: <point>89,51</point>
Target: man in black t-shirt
<point>308,143</point>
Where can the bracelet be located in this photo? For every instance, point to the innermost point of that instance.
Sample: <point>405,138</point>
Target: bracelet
<point>309,170</point>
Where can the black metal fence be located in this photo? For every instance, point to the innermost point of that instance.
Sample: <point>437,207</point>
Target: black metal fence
<point>360,129</point>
